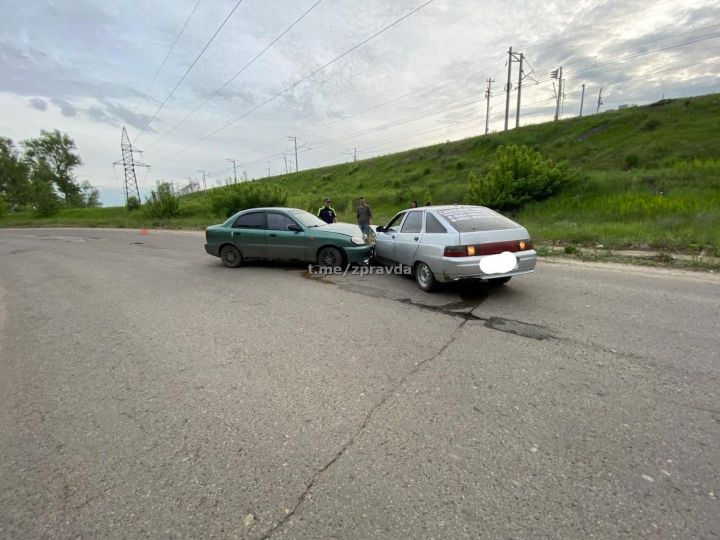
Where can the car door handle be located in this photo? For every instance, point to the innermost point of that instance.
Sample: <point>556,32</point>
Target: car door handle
<point>392,236</point>
<point>416,238</point>
<point>273,234</point>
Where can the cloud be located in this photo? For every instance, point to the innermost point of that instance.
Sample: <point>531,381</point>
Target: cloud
<point>66,108</point>
<point>38,104</point>
<point>127,116</point>
<point>99,115</point>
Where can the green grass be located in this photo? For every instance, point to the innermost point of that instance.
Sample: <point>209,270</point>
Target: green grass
<point>674,208</point>
<point>669,199</point>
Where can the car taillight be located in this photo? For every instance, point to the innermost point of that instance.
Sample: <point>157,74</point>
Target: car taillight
<point>491,248</point>
<point>455,251</point>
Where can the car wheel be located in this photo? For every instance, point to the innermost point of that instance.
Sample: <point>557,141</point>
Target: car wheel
<point>329,257</point>
<point>500,280</point>
<point>424,277</point>
<point>231,256</point>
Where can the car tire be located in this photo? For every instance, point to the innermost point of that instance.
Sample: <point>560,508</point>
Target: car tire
<point>231,256</point>
<point>500,280</point>
<point>329,257</point>
<point>424,277</point>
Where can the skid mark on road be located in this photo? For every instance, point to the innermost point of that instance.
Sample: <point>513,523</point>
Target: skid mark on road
<point>533,331</point>
<point>464,309</point>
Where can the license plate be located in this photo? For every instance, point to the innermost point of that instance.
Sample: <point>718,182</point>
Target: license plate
<point>498,264</point>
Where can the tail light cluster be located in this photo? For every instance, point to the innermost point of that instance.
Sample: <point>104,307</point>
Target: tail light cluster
<point>491,248</point>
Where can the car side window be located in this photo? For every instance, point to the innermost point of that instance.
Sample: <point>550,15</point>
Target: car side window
<point>413,222</point>
<point>279,222</point>
<point>253,220</point>
<point>432,225</point>
<point>394,225</point>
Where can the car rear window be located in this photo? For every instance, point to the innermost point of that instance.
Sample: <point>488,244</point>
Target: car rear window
<point>254,220</point>
<point>476,218</point>
<point>432,225</point>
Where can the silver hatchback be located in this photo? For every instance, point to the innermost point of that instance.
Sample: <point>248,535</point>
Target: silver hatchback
<point>450,243</point>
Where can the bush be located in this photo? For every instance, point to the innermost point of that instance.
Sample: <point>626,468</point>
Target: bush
<point>46,202</point>
<point>133,203</point>
<point>651,124</point>
<point>632,161</point>
<point>162,203</point>
<point>246,195</point>
<point>518,176</point>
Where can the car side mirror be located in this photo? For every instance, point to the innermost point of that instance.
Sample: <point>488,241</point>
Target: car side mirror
<point>293,227</point>
<point>380,228</point>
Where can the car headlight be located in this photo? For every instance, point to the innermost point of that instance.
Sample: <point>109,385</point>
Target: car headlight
<point>357,240</point>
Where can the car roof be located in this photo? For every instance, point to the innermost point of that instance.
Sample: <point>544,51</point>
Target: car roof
<point>446,206</point>
<point>271,208</point>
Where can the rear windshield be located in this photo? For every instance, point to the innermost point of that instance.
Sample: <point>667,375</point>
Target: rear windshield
<point>476,218</point>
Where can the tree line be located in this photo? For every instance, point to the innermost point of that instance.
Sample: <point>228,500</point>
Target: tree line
<point>38,175</point>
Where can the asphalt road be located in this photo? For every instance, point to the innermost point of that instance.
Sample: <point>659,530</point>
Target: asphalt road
<point>147,391</point>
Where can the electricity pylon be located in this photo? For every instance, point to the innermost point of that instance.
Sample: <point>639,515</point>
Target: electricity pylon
<point>128,162</point>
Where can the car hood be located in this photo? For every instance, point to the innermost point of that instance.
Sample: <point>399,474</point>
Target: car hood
<point>348,229</point>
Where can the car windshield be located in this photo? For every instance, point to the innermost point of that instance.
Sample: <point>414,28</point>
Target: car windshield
<point>306,219</point>
<point>476,218</point>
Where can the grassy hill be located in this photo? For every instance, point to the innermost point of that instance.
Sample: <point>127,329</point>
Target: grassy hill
<point>651,178</point>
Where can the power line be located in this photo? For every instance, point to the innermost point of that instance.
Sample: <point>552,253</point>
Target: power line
<point>404,96</point>
<point>172,47</point>
<point>462,103</point>
<point>587,68</point>
<point>299,81</point>
<point>638,55</point>
<point>231,79</point>
<point>448,82</point>
<point>147,124</point>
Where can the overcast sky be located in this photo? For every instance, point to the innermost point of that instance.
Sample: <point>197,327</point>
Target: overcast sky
<point>85,67</point>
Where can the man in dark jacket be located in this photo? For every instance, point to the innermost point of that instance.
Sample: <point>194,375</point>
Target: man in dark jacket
<point>327,213</point>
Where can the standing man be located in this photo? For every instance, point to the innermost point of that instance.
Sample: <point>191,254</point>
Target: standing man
<point>327,213</point>
<point>364,217</point>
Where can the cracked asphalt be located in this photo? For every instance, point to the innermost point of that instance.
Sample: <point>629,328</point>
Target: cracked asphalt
<point>146,391</point>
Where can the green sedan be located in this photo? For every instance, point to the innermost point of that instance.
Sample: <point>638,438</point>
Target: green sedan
<point>285,234</point>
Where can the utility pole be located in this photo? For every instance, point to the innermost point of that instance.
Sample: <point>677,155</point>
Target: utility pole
<point>520,78</point>
<point>487,106</point>
<point>234,169</point>
<point>286,163</point>
<point>508,86</point>
<point>582,98</point>
<point>245,176</point>
<point>268,164</point>
<point>557,74</point>
<point>600,101</point>
<point>295,142</point>
<point>203,174</point>
<point>352,153</point>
